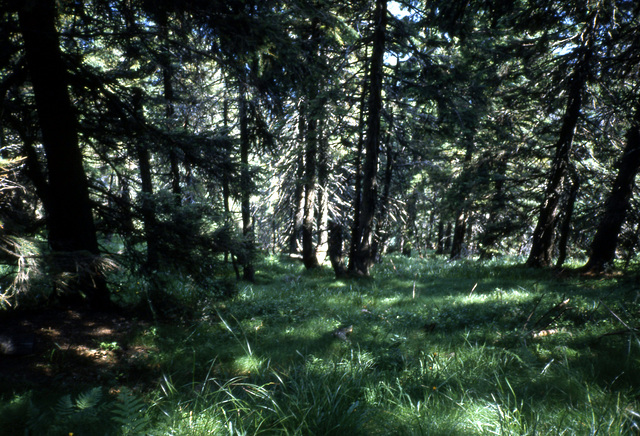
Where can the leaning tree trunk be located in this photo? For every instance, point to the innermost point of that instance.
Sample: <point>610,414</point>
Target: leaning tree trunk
<point>542,244</point>
<point>603,247</point>
<point>72,233</point>
<point>364,258</point>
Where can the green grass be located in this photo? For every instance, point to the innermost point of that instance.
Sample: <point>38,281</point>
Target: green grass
<point>437,348</point>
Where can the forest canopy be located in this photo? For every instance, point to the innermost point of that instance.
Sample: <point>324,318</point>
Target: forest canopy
<point>144,141</point>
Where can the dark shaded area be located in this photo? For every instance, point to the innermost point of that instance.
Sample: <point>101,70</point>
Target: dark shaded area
<point>68,348</point>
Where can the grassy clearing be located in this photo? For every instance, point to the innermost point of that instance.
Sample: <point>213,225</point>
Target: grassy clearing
<point>437,348</point>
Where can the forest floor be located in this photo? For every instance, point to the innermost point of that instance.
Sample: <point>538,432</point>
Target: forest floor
<point>425,346</point>
<point>68,347</point>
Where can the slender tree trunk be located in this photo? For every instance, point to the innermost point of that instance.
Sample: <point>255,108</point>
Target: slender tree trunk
<point>148,205</point>
<point>447,238</point>
<point>357,195</point>
<point>459,232</point>
<point>311,150</point>
<point>542,244</point>
<point>603,247</point>
<point>323,197</point>
<point>381,235</point>
<point>297,216</point>
<point>364,258</point>
<point>298,208</point>
<point>72,234</point>
<point>565,228</point>
<point>463,193</point>
<point>248,272</point>
<point>441,237</point>
<point>226,188</point>
<point>494,224</point>
<point>335,245</point>
<point>167,76</point>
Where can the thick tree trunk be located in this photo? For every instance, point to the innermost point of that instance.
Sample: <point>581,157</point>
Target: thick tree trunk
<point>72,234</point>
<point>542,244</point>
<point>603,247</point>
<point>364,258</point>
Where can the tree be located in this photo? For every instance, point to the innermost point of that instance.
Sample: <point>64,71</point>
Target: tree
<point>542,245</point>
<point>603,247</point>
<point>71,230</point>
<point>364,255</point>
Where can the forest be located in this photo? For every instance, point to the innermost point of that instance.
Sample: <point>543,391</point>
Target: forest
<point>252,215</point>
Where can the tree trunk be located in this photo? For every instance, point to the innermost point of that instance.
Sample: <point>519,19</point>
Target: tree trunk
<point>603,247</point>
<point>323,199</point>
<point>226,188</point>
<point>459,232</point>
<point>542,245</point>
<point>297,216</point>
<point>357,194</point>
<point>167,76</point>
<point>381,234</point>
<point>494,224</point>
<point>72,234</point>
<point>364,258</point>
<point>441,237</point>
<point>311,150</point>
<point>248,271</point>
<point>335,243</point>
<point>148,205</point>
<point>565,228</point>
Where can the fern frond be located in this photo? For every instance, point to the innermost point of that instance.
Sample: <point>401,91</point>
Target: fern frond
<point>64,406</point>
<point>130,413</point>
<point>89,399</point>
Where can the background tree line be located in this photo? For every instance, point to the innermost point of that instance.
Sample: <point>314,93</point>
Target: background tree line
<point>148,140</point>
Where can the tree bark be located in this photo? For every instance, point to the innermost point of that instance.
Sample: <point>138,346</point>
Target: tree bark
<point>364,257</point>
<point>72,233</point>
<point>603,247</point>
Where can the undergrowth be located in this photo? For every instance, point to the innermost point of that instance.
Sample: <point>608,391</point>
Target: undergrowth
<point>434,348</point>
